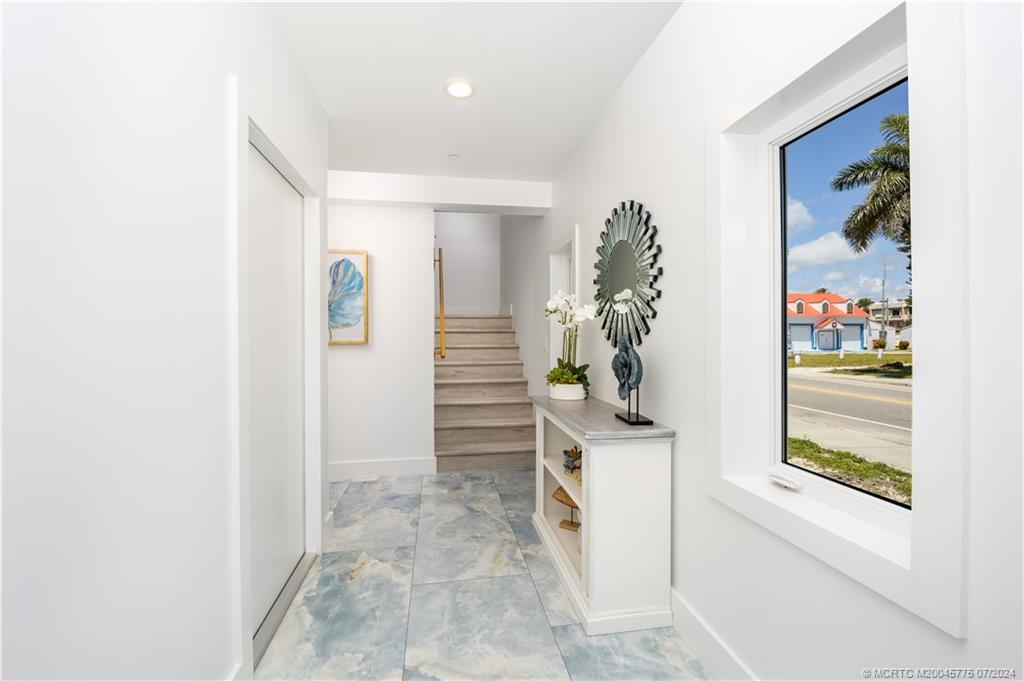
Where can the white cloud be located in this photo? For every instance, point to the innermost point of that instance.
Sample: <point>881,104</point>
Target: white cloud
<point>869,286</point>
<point>832,276</point>
<point>797,215</point>
<point>828,248</point>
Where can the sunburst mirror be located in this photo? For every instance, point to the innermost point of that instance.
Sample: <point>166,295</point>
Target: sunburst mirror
<point>626,273</point>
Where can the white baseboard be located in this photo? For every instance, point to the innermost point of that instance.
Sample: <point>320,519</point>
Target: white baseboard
<point>373,468</point>
<point>718,658</point>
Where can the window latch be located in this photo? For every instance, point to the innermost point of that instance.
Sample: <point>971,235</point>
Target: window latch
<point>784,481</point>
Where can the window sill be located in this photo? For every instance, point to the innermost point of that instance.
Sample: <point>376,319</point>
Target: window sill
<point>840,539</point>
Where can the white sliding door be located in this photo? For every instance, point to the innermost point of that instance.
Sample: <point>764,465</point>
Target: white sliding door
<point>275,332</point>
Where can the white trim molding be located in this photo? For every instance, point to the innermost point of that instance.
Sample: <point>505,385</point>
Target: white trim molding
<point>717,656</point>
<point>372,468</point>
<point>467,194</point>
<point>918,565</point>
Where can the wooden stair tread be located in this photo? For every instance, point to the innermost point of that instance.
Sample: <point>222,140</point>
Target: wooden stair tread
<point>482,346</point>
<point>481,379</point>
<point>474,401</point>
<point>476,362</point>
<point>484,423</point>
<point>486,448</point>
<point>475,316</point>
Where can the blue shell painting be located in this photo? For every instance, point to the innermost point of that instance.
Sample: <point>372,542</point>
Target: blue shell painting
<point>346,298</point>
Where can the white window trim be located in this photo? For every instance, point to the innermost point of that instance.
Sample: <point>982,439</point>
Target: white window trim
<point>919,564</point>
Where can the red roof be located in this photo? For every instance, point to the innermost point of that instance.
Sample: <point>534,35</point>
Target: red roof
<point>836,307</point>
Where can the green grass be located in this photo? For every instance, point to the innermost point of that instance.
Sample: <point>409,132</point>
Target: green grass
<point>863,359</point>
<point>905,371</point>
<point>880,478</point>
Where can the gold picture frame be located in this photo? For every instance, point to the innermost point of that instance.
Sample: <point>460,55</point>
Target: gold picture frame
<point>362,265</point>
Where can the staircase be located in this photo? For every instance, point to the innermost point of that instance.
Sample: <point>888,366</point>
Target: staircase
<point>482,416</point>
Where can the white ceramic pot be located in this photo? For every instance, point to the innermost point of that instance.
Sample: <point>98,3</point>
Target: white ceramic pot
<point>566,391</point>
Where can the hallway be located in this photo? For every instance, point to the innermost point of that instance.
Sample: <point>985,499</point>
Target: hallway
<point>444,577</point>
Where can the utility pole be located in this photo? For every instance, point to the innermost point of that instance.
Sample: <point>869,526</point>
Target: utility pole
<point>885,301</point>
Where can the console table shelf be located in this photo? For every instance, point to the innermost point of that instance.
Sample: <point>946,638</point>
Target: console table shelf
<point>616,567</point>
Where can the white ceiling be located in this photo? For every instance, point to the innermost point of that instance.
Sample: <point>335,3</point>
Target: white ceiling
<point>543,71</point>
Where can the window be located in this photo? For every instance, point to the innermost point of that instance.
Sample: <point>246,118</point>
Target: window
<point>846,224</point>
<point>914,558</point>
<point>799,307</point>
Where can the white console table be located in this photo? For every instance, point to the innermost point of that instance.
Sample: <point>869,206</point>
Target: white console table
<point>617,568</point>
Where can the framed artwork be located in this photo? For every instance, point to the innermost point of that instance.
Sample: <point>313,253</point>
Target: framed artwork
<point>348,298</point>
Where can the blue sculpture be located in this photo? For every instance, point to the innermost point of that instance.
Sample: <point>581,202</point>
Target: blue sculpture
<point>629,370</point>
<point>627,367</point>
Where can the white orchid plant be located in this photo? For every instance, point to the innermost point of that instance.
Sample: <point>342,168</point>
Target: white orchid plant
<point>570,316</point>
<point>623,301</point>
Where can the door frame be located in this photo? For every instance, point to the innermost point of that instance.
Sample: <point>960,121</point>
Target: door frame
<point>563,266</point>
<point>243,130</point>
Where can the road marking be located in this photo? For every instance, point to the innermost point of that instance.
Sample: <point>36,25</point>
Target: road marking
<point>844,393</point>
<point>852,418</point>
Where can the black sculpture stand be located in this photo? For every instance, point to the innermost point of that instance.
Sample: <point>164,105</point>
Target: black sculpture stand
<point>633,416</point>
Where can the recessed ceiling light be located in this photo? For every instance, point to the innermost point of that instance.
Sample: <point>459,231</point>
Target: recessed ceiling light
<point>459,89</point>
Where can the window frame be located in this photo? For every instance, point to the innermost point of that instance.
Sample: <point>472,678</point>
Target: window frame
<point>919,565</point>
<point>776,139</point>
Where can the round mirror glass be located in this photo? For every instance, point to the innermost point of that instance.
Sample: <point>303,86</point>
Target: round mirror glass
<point>622,269</point>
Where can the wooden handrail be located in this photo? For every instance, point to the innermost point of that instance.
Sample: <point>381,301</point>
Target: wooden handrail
<point>439,261</point>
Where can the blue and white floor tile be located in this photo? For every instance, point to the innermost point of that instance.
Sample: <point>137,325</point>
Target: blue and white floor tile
<point>375,514</point>
<point>514,481</point>
<point>464,532</point>
<point>651,654</point>
<point>552,596</point>
<point>468,515</point>
<point>444,577</point>
<point>334,492</point>
<point>348,620</point>
<point>468,560</point>
<point>480,629</point>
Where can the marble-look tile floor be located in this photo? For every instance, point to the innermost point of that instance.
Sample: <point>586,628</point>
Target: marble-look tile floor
<point>444,577</point>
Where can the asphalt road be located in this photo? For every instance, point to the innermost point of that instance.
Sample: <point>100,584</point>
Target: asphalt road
<point>838,395</point>
<point>869,419</point>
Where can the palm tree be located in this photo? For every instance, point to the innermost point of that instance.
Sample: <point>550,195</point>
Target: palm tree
<point>886,170</point>
<point>864,303</point>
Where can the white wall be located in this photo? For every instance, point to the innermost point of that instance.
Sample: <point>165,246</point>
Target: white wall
<point>524,290</point>
<point>380,418</point>
<point>120,457</point>
<point>780,611</point>
<point>472,261</point>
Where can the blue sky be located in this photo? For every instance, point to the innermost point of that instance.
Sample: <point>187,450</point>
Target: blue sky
<point>818,255</point>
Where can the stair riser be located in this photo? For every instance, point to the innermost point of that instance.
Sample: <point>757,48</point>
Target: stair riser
<point>480,435</point>
<point>483,411</point>
<point>499,371</point>
<point>466,355</point>
<point>502,323</point>
<point>462,338</point>
<point>485,461</point>
<point>479,390</point>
